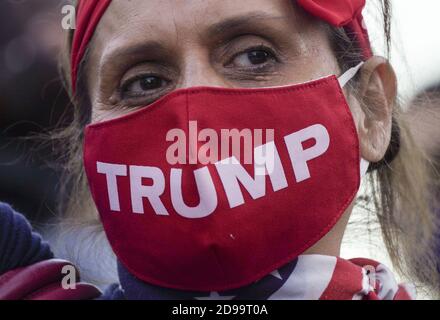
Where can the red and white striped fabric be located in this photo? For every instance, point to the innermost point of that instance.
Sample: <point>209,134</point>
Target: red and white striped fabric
<point>309,277</point>
<point>317,277</point>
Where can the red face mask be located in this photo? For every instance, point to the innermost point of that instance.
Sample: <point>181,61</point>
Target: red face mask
<point>224,224</point>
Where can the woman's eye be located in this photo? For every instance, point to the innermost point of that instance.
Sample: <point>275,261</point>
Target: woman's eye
<point>142,85</point>
<point>252,58</point>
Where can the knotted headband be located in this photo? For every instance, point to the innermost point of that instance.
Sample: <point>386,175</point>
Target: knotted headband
<point>345,14</point>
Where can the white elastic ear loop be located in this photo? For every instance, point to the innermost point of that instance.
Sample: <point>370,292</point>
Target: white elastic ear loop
<point>349,74</point>
<point>364,167</point>
<point>343,80</point>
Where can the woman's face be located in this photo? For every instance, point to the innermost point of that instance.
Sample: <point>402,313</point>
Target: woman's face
<point>145,49</point>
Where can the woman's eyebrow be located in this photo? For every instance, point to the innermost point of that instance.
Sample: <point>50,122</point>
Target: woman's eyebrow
<point>238,22</point>
<point>153,47</point>
<point>156,49</point>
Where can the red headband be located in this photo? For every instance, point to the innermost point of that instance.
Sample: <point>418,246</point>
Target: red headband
<point>338,13</point>
<point>89,13</point>
<point>345,14</point>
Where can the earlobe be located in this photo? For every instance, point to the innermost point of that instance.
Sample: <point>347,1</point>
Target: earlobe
<point>377,93</point>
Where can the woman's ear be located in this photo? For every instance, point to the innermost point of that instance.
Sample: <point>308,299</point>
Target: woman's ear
<point>377,94</point>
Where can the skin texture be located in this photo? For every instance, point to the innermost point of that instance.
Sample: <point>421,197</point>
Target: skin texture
<point>211,43</point>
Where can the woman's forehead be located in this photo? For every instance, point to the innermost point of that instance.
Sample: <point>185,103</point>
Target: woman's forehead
<point>158,24</point>
<point>169,19</point>
<point>199,12</point>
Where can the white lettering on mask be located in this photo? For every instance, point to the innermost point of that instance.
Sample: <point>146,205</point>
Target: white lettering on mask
<point>153,192</point>
<point>267,162</point>
<point>231,172</point>
<point>207,194</point>
<point>299,156</point>
<point>112,171</point>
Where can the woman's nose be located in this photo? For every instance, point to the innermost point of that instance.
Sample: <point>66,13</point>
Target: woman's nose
<point>198,71</point>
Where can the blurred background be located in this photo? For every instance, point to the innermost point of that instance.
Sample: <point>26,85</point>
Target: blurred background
<point>32,100</point>
<point>415,52</point>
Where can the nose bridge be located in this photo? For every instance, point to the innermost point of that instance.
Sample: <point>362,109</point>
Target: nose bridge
<point>197,70</point>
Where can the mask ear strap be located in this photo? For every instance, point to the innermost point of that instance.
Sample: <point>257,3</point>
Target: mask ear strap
<point>343,80</point>
<point>349,74</point>
<point>364,167</point>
